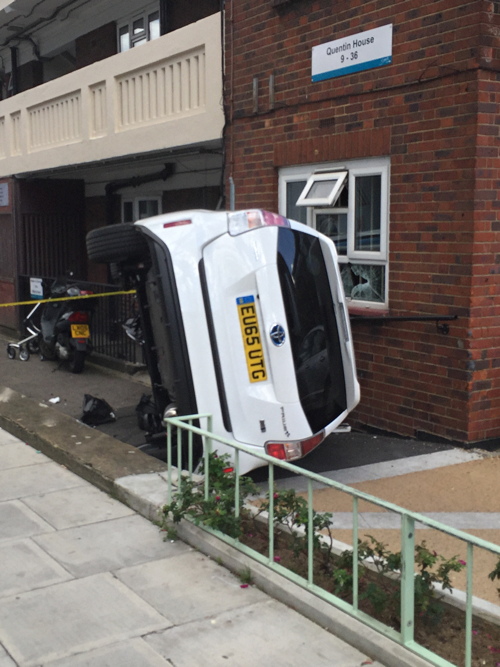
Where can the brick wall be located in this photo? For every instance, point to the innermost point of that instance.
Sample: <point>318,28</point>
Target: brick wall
<point>434,111</point>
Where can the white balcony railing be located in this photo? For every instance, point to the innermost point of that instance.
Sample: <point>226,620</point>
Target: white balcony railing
<point>162,95</point>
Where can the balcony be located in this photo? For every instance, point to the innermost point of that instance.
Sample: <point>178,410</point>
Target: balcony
<point>161,95</point>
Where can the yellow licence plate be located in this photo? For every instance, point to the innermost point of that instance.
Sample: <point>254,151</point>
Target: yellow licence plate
<point>252,343</point>
<point>80,331</point>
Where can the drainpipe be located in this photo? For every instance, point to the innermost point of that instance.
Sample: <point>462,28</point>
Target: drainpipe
<point>232,194</point>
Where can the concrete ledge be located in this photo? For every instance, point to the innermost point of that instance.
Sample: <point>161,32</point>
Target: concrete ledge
<point>95,456</point>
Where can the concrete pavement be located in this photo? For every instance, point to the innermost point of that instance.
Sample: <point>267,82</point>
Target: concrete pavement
<point>85,580</point>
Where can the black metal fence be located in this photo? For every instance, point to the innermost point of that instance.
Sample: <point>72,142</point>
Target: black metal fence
<point>107,333</point>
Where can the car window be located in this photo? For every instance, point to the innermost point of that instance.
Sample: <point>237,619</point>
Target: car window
<point>312,327</point>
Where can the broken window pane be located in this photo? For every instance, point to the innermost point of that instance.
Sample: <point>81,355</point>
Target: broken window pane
<point>363,282</point>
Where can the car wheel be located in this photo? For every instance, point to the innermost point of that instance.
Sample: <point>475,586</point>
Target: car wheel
<point>116,244</point>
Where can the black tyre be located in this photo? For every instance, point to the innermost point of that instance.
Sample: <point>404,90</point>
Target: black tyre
<point>116,244</point>
<point>11,352</point>
<point>46,352</point>
<point>77,361</point>
<point>24,354</point>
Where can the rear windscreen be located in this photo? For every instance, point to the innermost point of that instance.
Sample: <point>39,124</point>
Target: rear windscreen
<point>312,327</point>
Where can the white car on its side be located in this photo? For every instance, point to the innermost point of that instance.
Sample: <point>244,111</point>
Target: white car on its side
<point>244,317</point>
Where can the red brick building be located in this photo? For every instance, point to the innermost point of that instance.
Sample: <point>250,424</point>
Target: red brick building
<point>411,119</point>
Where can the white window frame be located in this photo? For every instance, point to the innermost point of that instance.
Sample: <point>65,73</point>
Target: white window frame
<point>370,167</point>
<point>135,201</point>
<point>128,23</point>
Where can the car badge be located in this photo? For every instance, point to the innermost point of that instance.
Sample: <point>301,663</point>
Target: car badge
<point>278,335</point>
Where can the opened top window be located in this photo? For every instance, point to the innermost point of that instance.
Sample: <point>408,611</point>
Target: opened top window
<point>322,189</point>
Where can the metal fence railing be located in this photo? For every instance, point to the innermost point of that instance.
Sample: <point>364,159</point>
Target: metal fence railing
<point>107,333</point>
<point>409,523</point>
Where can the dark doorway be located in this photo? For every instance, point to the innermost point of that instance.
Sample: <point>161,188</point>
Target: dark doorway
<point>50,226</point>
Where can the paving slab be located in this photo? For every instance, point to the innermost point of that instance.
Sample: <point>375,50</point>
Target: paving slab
<point>132,653</point>
<point>14,456</point>
<point>75,616</point>
<point>25,567</point>
<point>18,521</point>
<point>212,589</point>
<point>5,660</point>
<point>35,479</point>
<point>76,507</point>
<point>261,634</point>
<point>88,549</point>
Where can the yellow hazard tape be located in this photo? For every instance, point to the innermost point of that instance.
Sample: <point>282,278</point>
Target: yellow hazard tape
<point>65,298</point>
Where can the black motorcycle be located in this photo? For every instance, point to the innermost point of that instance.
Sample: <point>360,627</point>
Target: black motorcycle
<point>64,331</point>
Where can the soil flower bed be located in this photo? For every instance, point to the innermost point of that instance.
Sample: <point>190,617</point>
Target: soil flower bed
<point>439,627</point>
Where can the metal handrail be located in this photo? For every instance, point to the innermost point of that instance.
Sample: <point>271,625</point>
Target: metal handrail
<point>409,518</point>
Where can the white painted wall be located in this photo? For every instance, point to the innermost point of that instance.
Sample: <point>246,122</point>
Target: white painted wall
<point>162,95</point>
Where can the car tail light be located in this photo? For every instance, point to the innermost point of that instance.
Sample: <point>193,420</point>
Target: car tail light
<point>243,221</point>
<point>294,449</point>
<point>79,317</point>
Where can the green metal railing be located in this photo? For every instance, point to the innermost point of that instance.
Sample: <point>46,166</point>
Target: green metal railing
<point>409,520</point>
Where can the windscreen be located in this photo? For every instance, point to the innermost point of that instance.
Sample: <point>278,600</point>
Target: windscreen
<point>312,327</point>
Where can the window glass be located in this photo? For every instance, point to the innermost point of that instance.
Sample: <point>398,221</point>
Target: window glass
<point>147,208</point>
<point>154,25</point>
<point>140,208</point>
<point>293,190</point>
<point>367,213</point>
<point>128,211</point>
<point>124,38</point>
<point>138,27</point>
<point>334,225</point>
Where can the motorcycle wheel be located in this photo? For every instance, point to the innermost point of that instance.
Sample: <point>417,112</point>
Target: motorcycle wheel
<point>77,361</point>
<point>46,352</point>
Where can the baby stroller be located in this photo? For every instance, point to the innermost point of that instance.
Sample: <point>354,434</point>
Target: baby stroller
<point>29,344</point>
